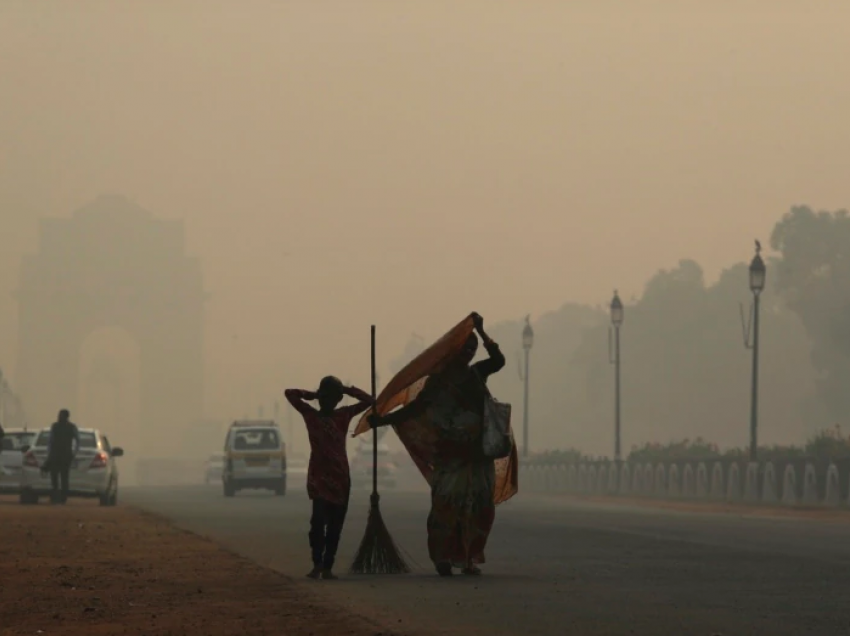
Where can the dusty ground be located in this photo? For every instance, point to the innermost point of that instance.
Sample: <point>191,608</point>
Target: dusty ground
<point>82,569</point>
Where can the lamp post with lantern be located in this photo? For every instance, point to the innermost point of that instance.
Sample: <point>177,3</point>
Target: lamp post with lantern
<point>614,358</point>
<point>758,274</point>
<point>527,342</point>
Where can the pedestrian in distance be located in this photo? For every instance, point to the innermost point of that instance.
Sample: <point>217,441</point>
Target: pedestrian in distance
<point>328,476</point>
<point>62,447</point>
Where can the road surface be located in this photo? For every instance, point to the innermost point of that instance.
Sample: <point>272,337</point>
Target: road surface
<point>558,567</point>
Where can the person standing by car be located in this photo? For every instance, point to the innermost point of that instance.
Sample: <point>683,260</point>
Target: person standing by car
<point>61,448</point>
<point>328,476</point>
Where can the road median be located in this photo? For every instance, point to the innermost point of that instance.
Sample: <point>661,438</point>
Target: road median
<point>84,569</point>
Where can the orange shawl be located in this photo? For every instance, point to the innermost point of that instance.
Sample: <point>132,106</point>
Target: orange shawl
<point>418,435</point>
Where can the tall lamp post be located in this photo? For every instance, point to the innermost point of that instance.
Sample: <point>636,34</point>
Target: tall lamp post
<point>758,274</point>
<point>527,342</point>
<point>614,358</point>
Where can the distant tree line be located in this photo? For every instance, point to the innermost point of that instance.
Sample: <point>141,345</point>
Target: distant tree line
<point>685,371</point>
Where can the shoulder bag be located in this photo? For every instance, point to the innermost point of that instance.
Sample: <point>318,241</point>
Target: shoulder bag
<point>497,440</point>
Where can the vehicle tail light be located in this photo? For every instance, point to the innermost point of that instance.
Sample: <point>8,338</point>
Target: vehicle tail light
<point>99,461</point>
<point>30,461</point>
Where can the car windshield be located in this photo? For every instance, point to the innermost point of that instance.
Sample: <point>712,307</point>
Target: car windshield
<point>256,439</point>
<point>16,441</point>
<point>87,439</point>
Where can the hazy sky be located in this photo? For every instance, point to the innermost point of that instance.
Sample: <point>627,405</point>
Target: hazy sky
<point>343,163</point>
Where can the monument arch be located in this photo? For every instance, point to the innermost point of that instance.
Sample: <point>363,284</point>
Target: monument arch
<point>113,264</point>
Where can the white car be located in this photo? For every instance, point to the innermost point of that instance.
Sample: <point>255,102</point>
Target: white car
<point>15,443</point>
<point>94,471</point>
<point>214,468</point>
<point>254,457</point>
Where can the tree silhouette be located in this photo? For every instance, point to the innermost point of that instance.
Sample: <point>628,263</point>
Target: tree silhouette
<point>813,277</point>
<point>685,370</point>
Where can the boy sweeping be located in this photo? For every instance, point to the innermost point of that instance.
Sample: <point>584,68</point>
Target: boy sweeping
<point>328,478</point>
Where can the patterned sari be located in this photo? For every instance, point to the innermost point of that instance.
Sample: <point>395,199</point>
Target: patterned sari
<point>445,444</point>
<point>462,482</point>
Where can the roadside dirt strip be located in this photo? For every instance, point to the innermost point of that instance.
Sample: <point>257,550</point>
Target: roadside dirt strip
<point>82,569</point>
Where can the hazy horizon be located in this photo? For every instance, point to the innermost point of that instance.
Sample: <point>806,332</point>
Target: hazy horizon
<point>338,165</point>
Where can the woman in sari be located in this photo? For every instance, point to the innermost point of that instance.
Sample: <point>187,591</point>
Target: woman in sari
<point>463,479</point>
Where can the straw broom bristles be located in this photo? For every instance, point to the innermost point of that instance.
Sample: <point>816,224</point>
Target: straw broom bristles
<point>378,553</point>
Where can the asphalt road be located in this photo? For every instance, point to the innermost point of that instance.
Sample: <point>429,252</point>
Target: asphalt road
<point>558,567</point>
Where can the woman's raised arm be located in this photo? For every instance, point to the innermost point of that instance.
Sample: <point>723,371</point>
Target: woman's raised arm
<point>496,361</point>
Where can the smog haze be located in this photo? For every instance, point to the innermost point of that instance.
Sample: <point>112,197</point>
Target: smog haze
<point>343,164</point>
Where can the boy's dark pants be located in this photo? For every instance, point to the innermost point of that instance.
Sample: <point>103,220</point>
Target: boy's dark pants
<point>325,530</point>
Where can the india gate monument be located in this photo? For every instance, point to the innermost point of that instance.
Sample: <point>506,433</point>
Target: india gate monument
<point>110,265</point>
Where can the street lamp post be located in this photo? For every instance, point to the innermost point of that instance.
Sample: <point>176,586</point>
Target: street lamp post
<point>527,342</point>
<point>616,322</point>
<point>758,274</point>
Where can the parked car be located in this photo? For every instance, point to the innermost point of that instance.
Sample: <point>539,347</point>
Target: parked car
<point>361,467</point>
<point>15,443</point>
<point>214,468</point>
<point>94,471</point>
<point>255,458</point>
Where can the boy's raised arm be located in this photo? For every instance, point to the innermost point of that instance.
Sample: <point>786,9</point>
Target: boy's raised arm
<point>297,397</point>
<point>364,400</point>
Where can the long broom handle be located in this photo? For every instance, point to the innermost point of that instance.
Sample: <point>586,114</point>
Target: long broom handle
<point>375,429</point>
